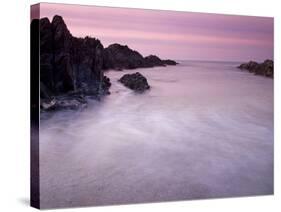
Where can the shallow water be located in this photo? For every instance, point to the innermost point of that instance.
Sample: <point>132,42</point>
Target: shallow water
<point>204,130</point>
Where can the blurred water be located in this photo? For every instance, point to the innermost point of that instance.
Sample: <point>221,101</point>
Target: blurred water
<point>204,130</point>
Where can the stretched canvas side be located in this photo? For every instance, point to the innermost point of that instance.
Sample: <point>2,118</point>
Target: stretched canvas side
<point>34,108</point>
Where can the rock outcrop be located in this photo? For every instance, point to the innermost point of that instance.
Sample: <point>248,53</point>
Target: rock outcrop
<point>169,62</point>
<point>69,65</point>
<point>265,69</point>
<point>120,57</point>
<point>153,60</point>
<point>135,81</point>
<point>72,68</point>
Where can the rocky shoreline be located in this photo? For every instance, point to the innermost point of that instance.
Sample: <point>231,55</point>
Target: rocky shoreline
<point>264,69</point>
<point>73,68</point>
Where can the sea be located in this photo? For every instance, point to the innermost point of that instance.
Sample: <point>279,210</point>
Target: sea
<point>203,130</point>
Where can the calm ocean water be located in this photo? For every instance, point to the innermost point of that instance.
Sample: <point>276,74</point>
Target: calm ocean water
<point>204,130</point>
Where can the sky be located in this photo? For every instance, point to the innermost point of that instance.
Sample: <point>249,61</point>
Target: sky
<point>171,34</point>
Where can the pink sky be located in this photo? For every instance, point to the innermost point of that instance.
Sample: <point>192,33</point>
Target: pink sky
<point>168,34</point>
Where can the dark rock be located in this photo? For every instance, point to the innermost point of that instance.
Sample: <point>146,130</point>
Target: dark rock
<point>62,39</point>
<point>63,73</point>
<point>46,35</point>
<point>120,57</point>
<point>87,62</point>
<point>106,84</point>
<point>136,82</point>
<point>69,64</point>
<point>265,69</point>
<point>55,72</point>
<point>170,62</point>
<point>250,66</point>
<point>153,60</point>
<point>45,93</point>
<point>46,53</point>
<point>73,63</point>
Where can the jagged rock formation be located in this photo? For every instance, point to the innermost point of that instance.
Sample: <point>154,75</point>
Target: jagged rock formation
<point>265,69</point>
<point>69,65</point>
<point>136,82</point>
<point>72,68</point>
<point>120,57</point>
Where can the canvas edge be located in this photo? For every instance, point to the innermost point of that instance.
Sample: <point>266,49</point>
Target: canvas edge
<point>34,105</point>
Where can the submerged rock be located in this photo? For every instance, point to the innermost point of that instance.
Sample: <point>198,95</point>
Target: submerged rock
<point>72,102</point>
<point>47,104</point>
<point>265,69</point>
<point>136,82</point>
